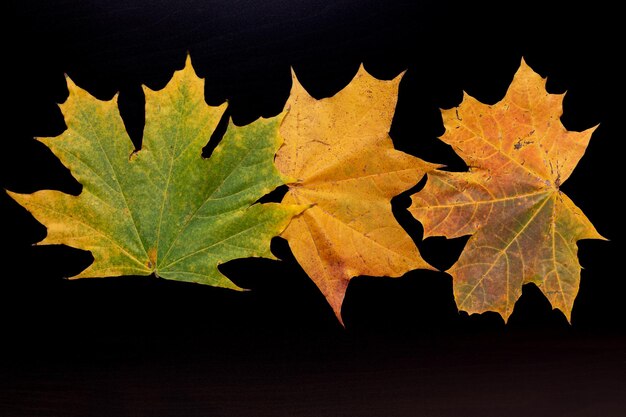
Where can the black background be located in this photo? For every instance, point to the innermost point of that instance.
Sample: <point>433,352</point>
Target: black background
<point>139,346</point>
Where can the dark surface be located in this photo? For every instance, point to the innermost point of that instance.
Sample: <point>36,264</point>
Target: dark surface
<point>138,346</point>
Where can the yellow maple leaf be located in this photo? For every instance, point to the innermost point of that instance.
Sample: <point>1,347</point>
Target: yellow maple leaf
<point>342,163</point>
<point>524,229</point>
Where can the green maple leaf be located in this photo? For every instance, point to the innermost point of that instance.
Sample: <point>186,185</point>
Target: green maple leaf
<point>163,209</point>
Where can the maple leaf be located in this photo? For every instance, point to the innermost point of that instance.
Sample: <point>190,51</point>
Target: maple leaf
<point>343,165</point>
<point>163,209</point>
<point>524,229</point>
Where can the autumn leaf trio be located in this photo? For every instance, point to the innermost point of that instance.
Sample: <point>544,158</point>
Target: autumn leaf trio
<point>166,210</point>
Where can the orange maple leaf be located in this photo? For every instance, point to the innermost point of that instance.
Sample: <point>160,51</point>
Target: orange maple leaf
<point>524,229</point>
<point>342,163</point>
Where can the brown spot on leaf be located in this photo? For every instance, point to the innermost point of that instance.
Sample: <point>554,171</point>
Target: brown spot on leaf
<point>152,255</point>
<point>521,143</point>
